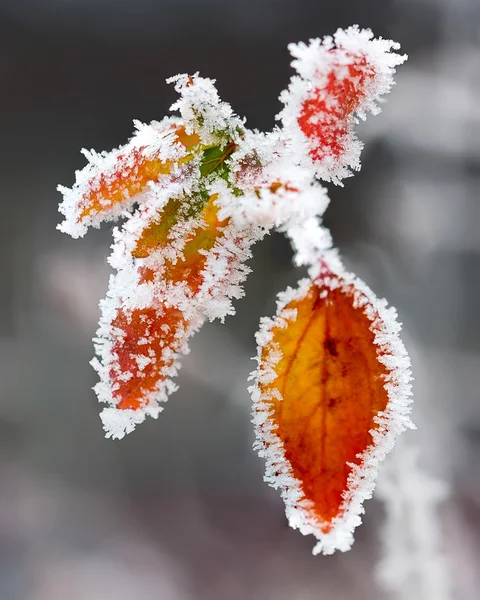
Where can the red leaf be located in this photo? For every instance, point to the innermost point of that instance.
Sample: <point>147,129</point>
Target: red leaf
<point>326,114</point>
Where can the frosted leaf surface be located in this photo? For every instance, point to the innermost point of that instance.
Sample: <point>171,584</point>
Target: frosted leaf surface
<point>112,182</point>
<point>339,79</point>
<point>330,395</point>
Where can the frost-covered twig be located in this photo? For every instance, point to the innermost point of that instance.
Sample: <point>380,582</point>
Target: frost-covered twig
<point>196,192</point>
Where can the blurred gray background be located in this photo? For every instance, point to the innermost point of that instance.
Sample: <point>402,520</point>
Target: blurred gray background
<point>178,510</point>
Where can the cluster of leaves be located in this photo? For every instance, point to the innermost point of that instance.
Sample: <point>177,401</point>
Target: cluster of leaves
<point>331,390</point>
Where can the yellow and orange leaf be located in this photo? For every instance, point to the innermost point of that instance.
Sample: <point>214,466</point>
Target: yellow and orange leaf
<point>192,264</point>
<point>110,183</point>
<point>155,235</point>
<point>132,172</point>
<point>323,386</point>
<point>332,386</point>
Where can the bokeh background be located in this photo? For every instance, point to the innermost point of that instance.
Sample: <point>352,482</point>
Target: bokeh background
<point>178,510</point>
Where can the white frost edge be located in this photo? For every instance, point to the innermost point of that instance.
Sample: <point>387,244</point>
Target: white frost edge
<point>312,62</point>
<point>393,421</point>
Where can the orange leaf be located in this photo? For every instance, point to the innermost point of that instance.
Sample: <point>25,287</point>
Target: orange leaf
<point>155,235</point>
<point>130,175</point>
<point>191,263</point>
<point>190,268</point>
<point>321,390</point>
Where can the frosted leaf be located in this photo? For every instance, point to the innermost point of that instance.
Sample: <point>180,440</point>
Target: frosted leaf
<point>274,444</point>
<point>112,182</point>
<point>339,80</point>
